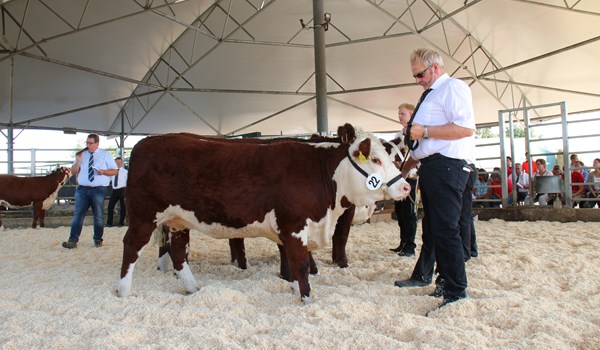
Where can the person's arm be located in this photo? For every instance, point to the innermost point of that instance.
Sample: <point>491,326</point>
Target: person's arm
<point>77,166</point>
<point>112,168</point>
<point>528,183</point>
<point>592,190</point>
<point>448,131</point>
<point>408,165</point>
<point>489,192</point>
<point>108,172</point>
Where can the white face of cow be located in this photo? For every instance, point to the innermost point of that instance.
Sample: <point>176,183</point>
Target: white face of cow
<point>67,173</point>
<point>365,187</point>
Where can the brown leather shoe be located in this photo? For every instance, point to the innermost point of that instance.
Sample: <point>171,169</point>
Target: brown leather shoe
<point>69,244</point>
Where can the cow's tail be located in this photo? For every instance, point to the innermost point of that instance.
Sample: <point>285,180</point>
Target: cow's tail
<point>158,236</point>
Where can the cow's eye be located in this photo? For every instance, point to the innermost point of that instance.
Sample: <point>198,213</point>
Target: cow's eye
<point>376,161</point>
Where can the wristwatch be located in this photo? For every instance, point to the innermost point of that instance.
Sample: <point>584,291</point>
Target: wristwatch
<point>425,133</point>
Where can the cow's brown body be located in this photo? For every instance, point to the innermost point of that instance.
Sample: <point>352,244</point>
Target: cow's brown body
<point>38,192</point>
<point>346,134</point>
<point>290,192</point>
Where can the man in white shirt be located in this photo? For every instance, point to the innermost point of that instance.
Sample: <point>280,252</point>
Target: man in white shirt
<point>118,194</point>
<point>522,181</point>
<point>442,140</point>
<point>93,167</point>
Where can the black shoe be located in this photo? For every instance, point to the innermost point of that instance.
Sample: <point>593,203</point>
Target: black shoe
<point>444,303</point>
<point>69,244</point>
<point>398,249</point>
<point>474,254</point>
<point>406,253</point>
<point>411,283</point>
<point>448,300</point>
<point>438,292</point>
<point>97,244</point>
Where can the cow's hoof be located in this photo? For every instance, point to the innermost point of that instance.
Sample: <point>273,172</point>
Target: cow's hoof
<point>307,300</point>
<point>123,291</point>
<point>163,263</point>
<point>188,280</point>
<point>237,264</point>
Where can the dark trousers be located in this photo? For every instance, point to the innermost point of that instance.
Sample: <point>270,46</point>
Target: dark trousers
<point>407,219</point>
<point>442,182</point>
<point>467,227</point>
<point>423,270</point>
<point>117,195</point>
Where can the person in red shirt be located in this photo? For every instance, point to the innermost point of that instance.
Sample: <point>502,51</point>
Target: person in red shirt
<point>577,187</point>
<point>525,165</point>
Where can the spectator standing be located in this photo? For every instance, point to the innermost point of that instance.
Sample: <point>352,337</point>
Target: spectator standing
<point>406,211</point>
<point>118,182</point>
<point>525,165</point>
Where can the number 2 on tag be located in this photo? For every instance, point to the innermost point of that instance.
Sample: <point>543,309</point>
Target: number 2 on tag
<point>374,181</point>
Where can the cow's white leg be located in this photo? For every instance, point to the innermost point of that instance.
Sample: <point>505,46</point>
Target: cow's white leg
<point>296,291</point>
<point>1,227</point>
<point>124,287</point>
<point>186,276</point>
<point>163,263</point>
<point>295,287</point>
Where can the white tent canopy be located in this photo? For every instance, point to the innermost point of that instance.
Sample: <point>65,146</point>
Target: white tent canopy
<point>238,66</point>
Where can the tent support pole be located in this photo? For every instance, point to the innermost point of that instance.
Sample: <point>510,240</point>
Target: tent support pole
<point>320,69</point>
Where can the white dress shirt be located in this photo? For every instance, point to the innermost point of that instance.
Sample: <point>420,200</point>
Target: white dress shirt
<point>450,101</point>
<point>103,160</point>
<point>121,181</point>
<point>523,182</point>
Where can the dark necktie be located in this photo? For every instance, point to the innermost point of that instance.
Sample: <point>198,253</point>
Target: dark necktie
<point>414,144</point>
<point>90,169</point>
<point>116,179</point>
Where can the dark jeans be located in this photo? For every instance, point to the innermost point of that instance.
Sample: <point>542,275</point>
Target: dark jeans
<point>442,182</point>
<point>117,195</point>
<point>407,219</point>
<point>86,197</point>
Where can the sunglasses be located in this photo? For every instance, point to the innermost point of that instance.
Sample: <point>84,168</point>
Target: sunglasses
<point>420,75</point>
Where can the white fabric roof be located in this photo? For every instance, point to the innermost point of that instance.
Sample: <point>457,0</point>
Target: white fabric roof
<point>240,66</point>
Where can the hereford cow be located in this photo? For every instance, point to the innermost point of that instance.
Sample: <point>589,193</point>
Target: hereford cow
<point>289,192</point>
<point>345,134</point>
<point>38,192</point>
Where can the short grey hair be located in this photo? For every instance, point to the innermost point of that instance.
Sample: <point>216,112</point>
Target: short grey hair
<point>427,57</point>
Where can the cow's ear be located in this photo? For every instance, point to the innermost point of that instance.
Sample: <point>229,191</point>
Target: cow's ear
<point>364,148</point>
<point>346,133</point>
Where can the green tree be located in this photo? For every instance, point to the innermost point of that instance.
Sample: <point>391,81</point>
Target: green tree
<point>485,133</point>
<point>519,132</point>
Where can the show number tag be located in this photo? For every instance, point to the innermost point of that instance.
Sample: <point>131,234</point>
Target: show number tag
<point>374,181</point>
